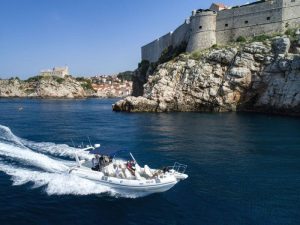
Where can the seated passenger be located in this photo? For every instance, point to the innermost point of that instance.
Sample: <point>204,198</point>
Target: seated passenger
<point>128,174</point>
<point>95,163</point>
<point>104,161</point>
<point>119,172</point>
<point>130,165</point>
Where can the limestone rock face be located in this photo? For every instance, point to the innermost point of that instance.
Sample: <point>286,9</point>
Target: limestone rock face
<point>136,104</point>
<point>12,88</point>
<point>281,45</point>
<point>67,89</point>
<point>257,77</point>
<point>44,88</point>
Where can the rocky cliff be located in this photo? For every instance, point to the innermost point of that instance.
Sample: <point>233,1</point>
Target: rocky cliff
<point>257,76</point>
<point>68,87</point>
<point>43,87</point>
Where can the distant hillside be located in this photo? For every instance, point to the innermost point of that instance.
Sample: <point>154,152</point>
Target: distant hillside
<point>44,87</point>
<point>57,87</point>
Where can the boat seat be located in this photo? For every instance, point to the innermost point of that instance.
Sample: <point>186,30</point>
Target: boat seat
<point>138,176</point>
<point>123,165</point>
<point>128,174</point>
<point>138,168</point>
<point>147,171</point>
<point>110,170</point>
<point>119,173</point>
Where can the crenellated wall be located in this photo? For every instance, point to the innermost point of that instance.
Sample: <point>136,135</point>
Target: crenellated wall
<point>206,28</point>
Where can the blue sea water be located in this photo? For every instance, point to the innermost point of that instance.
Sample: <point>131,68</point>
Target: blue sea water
<point>243,168</point>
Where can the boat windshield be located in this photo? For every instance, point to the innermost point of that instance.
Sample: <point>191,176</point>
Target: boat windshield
<point>111,152</point>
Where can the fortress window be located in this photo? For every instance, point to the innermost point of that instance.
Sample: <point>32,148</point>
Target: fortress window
<point>293,0</point>
<point>268,18</point>
<point>200,27</point>
<point>246,21</point>
<point>226,25</point>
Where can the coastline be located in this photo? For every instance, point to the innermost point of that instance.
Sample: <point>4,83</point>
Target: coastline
<point>255,76</point>
<point>114,99</point>
<point>68,87</point>
<point>57,98</point>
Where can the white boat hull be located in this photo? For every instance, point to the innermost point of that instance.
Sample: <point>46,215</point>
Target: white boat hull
<point>148,186</point>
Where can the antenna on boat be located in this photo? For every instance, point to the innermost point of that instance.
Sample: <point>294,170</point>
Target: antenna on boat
<point>89,140</point>
<point>132,157</point>
<point>73,143</point>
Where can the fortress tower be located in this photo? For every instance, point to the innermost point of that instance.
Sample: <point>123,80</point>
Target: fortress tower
<point>221,25</point>
<point>202,30</point>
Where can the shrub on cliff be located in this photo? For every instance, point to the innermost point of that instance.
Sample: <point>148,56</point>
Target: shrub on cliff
<point>172,52</point>
<point>196,55</point>
<point>241,39</point>
<point>34,79</point>
<point>215,46</point>
<point>29,91</point>
<point>14,78</point>
<point>143,66</point>
<point>292,34</point>
<point>59,79</point>
<point>80,79</point>
<point>127,75</point>
<point>168,54</point>
<point>261,38</point>
<point>87,85</point>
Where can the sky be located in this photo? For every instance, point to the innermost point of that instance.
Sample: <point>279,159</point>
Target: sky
<point>92,37</point>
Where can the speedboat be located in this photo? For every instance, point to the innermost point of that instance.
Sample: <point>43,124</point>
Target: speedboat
<point>126,175</point>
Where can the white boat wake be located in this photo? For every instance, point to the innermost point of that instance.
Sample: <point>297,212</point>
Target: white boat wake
<point>39,164</point>
<point>54,183</point>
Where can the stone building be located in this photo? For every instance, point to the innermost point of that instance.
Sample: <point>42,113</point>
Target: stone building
<point>220,25</point>
<point>56,71</point>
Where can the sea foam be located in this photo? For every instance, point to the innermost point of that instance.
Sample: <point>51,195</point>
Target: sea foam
<point>39,164</point>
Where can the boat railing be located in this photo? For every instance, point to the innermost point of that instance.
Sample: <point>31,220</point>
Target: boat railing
<point>178,167</point>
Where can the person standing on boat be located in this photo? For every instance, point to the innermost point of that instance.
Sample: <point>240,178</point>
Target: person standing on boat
<point>95,162</point>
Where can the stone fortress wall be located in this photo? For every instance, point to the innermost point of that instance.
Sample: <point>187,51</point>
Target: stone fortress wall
<point>206,27</point>
<point>153,50</point>
<point>202,30</point>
